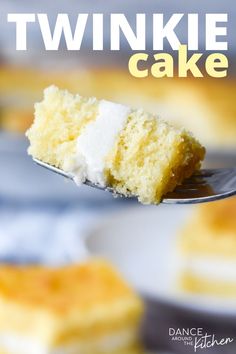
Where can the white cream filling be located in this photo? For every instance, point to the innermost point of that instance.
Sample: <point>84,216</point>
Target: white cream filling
<point>212,268</point>
<point>19,344</point>
<point>97,140</point>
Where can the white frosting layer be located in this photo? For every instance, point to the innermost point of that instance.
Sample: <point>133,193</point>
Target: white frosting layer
<point>97,140</point>
<point>19,344</point>
<point>212,268</point>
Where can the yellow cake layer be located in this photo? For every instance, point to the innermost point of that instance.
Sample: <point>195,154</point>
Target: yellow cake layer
<point>149,158</point>
<point>73,303</point>
<point>211,230</point>
<point>59,120</point>
<point>198,285</point>
<point>152,157</point>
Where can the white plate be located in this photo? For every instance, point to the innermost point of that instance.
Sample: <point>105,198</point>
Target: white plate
<point>141,243</point>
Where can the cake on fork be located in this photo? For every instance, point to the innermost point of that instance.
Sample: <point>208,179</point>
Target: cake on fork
<point>77,309</point>
<point>132,151</point>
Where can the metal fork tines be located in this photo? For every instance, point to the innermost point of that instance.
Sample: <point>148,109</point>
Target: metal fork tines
<point>205,185</point>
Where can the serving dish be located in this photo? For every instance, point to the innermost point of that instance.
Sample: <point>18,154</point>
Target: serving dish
<point>142,243</point>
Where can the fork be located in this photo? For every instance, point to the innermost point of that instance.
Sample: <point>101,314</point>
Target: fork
<point>203,186</point>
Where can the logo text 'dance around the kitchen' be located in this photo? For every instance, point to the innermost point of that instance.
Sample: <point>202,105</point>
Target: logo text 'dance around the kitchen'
<point>190,59</point>
<point>197,338</point>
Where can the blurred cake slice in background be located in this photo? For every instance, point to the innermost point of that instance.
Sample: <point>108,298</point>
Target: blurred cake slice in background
<point>76,309</point>
<point>208,250</point>
<point>206,106</point>
<point>20,87</point>
<point>134,152</point>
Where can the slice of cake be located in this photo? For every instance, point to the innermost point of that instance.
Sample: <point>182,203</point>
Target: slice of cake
<point>109,144</point>
<point>208,250</point>
<point>77,309</point>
